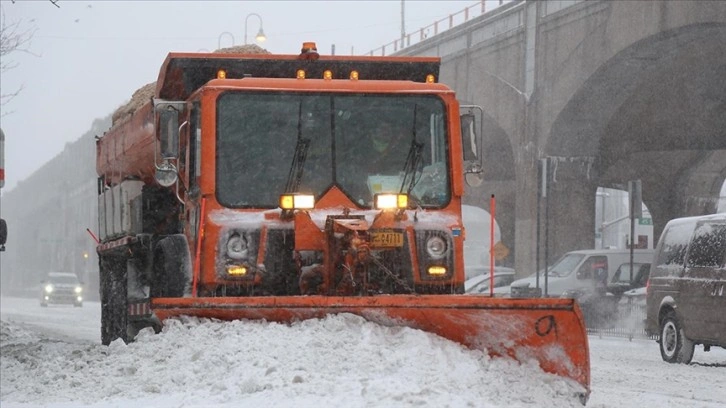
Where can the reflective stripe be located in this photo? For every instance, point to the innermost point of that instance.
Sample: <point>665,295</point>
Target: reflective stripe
<point>139,309</point>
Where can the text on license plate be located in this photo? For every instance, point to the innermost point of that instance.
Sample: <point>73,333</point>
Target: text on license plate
<point>387,239</point>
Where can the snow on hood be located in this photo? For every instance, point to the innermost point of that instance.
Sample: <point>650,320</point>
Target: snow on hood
<point>231,218</point>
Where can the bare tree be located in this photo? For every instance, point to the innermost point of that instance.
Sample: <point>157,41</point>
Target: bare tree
<point>13,38</point>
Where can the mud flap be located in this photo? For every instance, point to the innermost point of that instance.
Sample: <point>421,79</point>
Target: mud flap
<point>113,285</point>
<point>549,331</point>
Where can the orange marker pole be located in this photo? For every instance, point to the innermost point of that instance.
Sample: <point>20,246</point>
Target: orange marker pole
<point>93,235</point>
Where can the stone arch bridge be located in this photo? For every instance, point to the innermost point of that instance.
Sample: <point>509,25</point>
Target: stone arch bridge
<point>603,91</point>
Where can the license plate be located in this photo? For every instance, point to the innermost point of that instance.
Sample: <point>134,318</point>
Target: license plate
<point>387,239</point>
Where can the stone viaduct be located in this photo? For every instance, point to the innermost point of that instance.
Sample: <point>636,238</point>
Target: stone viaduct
<point>602,91</point>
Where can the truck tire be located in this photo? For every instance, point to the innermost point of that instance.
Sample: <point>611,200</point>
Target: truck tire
<point>675,347</point>
<point>171,267</point>
<point>114,310</point>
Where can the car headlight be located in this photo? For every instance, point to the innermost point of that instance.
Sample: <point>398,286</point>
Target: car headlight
<point>237,247</point>
<point>436,247</point>
<point>48,288</point>
<point>78,289</point>
<point>572,294</point>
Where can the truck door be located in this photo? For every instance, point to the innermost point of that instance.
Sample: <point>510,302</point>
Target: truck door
<point>192,168</point>
<point>595,269</point>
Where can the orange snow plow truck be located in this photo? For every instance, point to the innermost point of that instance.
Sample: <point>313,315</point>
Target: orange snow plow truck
<point>288,187</point>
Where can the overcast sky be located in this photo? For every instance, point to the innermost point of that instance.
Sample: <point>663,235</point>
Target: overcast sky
<point>86,58</point>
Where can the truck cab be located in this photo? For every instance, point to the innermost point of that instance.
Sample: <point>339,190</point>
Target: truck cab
<point>252,175</point>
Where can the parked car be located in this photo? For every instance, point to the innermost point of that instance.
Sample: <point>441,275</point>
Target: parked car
<point>579,270</point>
<point>600,303</point>
<point>686,296</point>
<point>620,281</point>
<point>61,287</point>
<point>479,284</point>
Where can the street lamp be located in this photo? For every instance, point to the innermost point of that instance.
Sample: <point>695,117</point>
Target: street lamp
<point>219,39</point>
<point>260,37</point>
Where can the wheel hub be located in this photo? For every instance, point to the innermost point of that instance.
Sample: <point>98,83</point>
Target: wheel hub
<point>669,338</point>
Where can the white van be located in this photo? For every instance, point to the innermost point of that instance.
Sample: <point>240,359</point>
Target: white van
<point>582,269</point>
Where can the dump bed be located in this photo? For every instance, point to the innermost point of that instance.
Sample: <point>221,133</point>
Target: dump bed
<point>183,73</point>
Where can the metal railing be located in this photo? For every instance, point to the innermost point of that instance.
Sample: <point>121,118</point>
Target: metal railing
<point>437,27</point>
<point>626,320</point>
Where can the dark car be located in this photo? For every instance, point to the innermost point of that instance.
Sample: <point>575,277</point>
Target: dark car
<point>621,280</point>
<point>600,304</point>
<point>61,287</point>
<point>686,296</point>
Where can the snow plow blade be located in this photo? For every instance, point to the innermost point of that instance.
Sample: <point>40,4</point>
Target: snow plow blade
<point>549,331</point>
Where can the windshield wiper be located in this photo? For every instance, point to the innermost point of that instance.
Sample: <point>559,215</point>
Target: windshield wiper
<point>294,177</point>
<point>413,160</point>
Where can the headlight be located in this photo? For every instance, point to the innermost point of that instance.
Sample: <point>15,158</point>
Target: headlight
<point>437,270</point>
<point>297,201</point>
<point>237,247</point>
<point>390,201</point>
<point>436,247</point>
<point>48,288</point>
<point>78,289</point>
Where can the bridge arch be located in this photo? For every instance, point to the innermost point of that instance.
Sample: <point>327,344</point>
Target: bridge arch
<point>654,111</point>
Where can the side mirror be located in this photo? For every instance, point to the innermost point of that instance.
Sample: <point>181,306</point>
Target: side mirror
<point>166,174</point>
<point>474,179</point>
<point>471,142</point>
<point>169,133</point>
<point>168,122</point>
<point>3,232</point>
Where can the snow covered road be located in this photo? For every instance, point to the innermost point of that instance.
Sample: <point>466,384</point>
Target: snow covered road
<point>51,357</point>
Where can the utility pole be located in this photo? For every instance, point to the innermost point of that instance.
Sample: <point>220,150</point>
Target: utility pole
<point>403,23</point>
<point>636,211</point>
<point>3,225</point>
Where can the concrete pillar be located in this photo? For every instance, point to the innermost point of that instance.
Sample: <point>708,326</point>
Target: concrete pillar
<point>571,206</point>
<point>525,227</point>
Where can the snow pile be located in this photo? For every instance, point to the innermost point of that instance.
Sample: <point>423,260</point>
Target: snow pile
<point>243,49</point>
<point>140,97</point>
<point>341,360</point>
<point>144,94</point>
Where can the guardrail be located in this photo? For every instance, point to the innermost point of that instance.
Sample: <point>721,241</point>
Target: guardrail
<point>446,23</point>
<point>626,320</point>
<point>483,7</point>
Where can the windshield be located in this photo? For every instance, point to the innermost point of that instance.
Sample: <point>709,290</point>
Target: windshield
<point>640,273</point>
<point>63,279</point>
<point>623,273</point>
<point>363,144</point>
<point>565,265</point>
